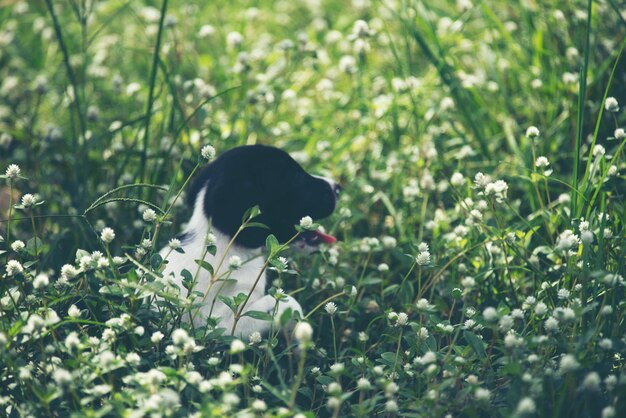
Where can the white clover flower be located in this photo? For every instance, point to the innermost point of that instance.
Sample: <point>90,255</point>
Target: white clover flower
<point>207,152</point>
<point>234,262</point>
<point>606,344</point>
<point>303,332</point>
<point>423,258</point>
<point>532,132</point>
<point>606,310</point>
<point>363,337</point>
<point>424,305</point>
<point>206,31</point>
<point>210,239</point>
<point>156,337</point>
<point>333,402</point>
<point>179,337</point>
<point>428,358</point>
<point>563,294</point>
<point>591,382</point>
<point>174,243</point>
<point>498,189</point>
<point>457,180</point>
<point>402,319</point>
<point>18,246</point>
<point>468,282</point>
<point>568,363</point>
<point>29,200</point>
<point>619,133</point>
<point>13,171</point>
<point>73,311</point>
<point>542,162</point>
<point>490,314</point>
<point>258,405</point>
<point>506,322</point>
<point>610,381</point>
<point>337,368</point>
<point>107,235</point>
<point>541,308</point>
<point>472,379</point>
<point>598,150</point>
<point>306,222</point>
<point>149,215</point>
<point>347,64</point>
<point>511,340</point>
<point>612,171</point>
<point>255,337</point>
<point>62,377</point>
<point>234,39</point>
<point>469,324</point>
<point>330,308</point>
<point>482,394</point>
<point>481,180</point>
<point>551,324</point>
<point>72,341</point>
<point>608,412</point>
<point>391,406</point>
<point>14,267</point>
<point>526,406</point>
<point>566,240</point>
<point>282,264</point>
<point>383,267</point>
<point>237,346</point>
<point>611,104</point>
<point>363,384</point>
<point>389,242</point>
<point>279,294</point>
<point>41,281</point>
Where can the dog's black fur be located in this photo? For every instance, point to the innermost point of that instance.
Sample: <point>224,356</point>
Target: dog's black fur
<point>261,175</point>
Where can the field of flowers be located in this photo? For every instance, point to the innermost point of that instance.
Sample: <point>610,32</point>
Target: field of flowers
<point>480,268</point>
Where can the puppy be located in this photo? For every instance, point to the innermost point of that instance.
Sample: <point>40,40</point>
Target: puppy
<point>222,192</point>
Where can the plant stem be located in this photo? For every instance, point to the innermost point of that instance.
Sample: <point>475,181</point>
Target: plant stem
<point>153,74</point>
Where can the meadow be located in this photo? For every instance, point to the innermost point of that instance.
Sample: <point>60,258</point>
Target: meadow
<point>480,265</point>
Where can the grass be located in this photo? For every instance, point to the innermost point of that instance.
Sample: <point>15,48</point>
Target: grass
<point>471,277</point>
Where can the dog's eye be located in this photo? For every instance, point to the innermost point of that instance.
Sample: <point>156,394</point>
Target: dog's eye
<point>337,189</point>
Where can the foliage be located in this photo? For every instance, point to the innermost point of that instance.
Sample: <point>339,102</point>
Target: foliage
<point>480,148</point>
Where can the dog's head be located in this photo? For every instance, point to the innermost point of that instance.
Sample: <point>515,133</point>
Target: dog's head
<point>260,175</point>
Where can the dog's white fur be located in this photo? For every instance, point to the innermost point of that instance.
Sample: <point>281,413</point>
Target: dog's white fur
<point>252,262</point>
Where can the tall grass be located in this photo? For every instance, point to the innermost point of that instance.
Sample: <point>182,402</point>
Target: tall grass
<point>480,265</point>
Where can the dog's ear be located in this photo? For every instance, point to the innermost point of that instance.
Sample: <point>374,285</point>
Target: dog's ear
<point>226,200</point>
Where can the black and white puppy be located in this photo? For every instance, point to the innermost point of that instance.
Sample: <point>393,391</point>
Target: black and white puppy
<point>222,192</point>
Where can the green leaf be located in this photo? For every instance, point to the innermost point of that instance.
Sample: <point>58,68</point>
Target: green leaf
<point>263,316</point>
<point>228,302</point>
<point>187,279</point>
<point>205,265</point>
<point>250,213</point>
<point>271,243</point>
<point>211,249</point>
<point>476,343</point>
<point>370,281</point>
<point>155,261</point>
<point>388,358</point>
<point>257,225</point>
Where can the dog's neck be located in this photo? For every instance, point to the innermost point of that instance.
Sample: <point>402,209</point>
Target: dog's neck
<point>199,227</point>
